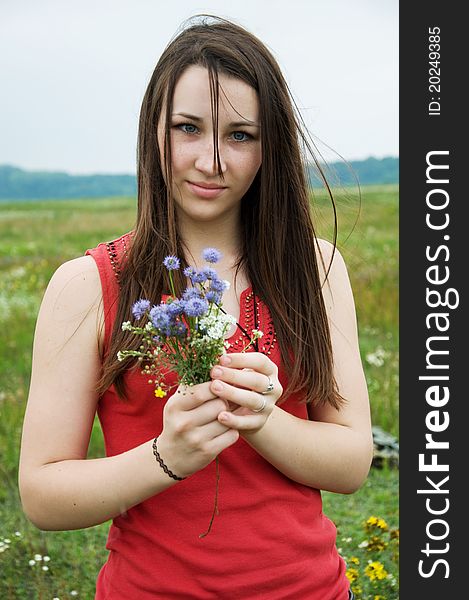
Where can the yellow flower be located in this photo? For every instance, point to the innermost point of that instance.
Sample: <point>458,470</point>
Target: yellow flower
<point>159,392</point>
<point>377,522</point>
<point>382,524</point>
<point>354,560</point>
<point>376,543</point>
<point>357,590</point>
<point>351,574</point>
<point>375,570</point>
<point>379,597</point>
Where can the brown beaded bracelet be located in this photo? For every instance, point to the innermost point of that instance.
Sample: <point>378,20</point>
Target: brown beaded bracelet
<point>162,465</point>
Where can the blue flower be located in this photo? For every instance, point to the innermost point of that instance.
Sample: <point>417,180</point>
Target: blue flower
<point>196,307</point>
<point>211,255</point>
<point>172,263</point>
<point>140,308</point>
<point>160,318</point>
<point>189,272</point>
<point>209,273</point>
<point>217,285</point>
<point>213,296</point>
<point>175,308</point>
<point>199,277</point>
<point>191,292</point>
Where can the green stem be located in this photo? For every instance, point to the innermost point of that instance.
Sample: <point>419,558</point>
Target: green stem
<point>246,347</point>
<point>172,283</point>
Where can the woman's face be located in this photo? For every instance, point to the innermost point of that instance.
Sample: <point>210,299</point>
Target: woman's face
<point>192,147</point>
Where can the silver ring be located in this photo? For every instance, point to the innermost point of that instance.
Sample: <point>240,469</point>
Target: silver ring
<point>269,388</point>
<point>261,408</point>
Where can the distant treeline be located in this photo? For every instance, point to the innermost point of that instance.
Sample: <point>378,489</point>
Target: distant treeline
<point>19,184</point>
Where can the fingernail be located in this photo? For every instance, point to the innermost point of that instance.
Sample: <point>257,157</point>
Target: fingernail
<point>223,416</point>
<point>225,360</point>
<point>217,372</point>
<point>217,386</point>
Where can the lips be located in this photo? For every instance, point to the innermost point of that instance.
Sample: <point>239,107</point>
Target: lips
<point>204,190</point>
<point>209,186</point>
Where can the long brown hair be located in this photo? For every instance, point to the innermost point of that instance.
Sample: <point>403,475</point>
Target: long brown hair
<point>278,237</point>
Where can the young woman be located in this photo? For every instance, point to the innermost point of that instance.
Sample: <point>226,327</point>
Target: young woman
<point>219,165</point>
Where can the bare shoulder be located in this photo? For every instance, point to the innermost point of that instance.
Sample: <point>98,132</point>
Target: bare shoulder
<point>77,273</point>
<point>75,286</point>
<point>333,272</point>
<point>73,297</point>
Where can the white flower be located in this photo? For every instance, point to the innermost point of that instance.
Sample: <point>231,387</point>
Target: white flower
<point>126,326</point>
<point>37,557</point>
<point>45,568</point>
<point>46,558</point>
<point>73,593</point>
<point>377,357</point>
<point>215,326</point>
<point>32,563</point>
<point>18,533</point>
<point>7,541</point>
<point>363,544</point>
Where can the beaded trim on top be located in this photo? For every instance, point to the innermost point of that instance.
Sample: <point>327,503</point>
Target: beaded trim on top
<point>251,321</point>
<point>114,254</point>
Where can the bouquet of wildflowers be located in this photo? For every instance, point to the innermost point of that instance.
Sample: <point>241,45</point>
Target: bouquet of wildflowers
<point>187,334</point>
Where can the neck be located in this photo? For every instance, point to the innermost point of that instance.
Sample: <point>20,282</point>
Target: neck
<point>224,235</point>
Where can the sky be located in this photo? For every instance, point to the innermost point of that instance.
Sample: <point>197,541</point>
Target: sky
<point>73,74</point>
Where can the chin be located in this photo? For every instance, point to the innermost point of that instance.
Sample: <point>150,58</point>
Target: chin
<point>205,210</point>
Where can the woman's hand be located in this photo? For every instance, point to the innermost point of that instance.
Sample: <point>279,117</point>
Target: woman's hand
<point>248,381</point>
<point>192,435</point>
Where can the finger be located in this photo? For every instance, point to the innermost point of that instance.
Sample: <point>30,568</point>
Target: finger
<point>207,412</point>
<point>211,430</point>
<point>241,397</point>
<point>253,360</point>
<point>245,378</point>
<point>190,397</point>
<point>219,443</point>
<point>197,438</point>
<point>241,422</point>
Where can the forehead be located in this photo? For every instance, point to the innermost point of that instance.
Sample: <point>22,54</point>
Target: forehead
<point>236,97</point>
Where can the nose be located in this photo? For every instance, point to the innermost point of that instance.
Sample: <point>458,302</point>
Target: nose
<point>205,161</point>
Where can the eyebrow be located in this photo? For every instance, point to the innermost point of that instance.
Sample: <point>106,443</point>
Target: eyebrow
<point>234,124</point>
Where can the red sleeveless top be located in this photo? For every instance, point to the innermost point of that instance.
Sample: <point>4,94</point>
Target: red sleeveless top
<point>270,539</point>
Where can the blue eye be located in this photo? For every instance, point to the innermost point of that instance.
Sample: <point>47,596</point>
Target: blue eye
<point>242,133</point>
<point>186,125</point>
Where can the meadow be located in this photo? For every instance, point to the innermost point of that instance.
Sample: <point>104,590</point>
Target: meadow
<point>36,237</point>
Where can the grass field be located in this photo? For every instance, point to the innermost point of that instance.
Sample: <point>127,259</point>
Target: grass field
<point>36,237</point>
